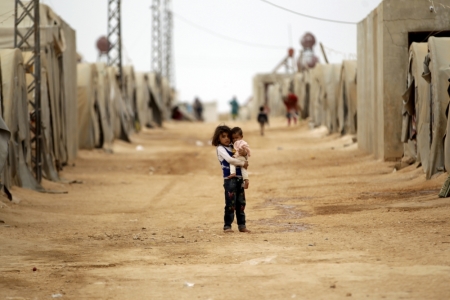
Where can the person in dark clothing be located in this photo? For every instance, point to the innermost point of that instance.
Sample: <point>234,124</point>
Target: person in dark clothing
<point>198,109</point>
<point>262,119</point>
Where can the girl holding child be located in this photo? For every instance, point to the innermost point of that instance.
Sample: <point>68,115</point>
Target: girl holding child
<point>233,185</point>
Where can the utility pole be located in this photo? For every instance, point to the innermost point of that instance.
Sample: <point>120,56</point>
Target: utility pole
<point>168,29</point>
<point>156,55</point>
<point>27,38</point>
<point>115,37</point>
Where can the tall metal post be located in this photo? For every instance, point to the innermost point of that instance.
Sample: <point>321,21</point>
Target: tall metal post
<point>28,39</point>
<point>115,37</point>
<point>168,30</point>
<point>156,59</point>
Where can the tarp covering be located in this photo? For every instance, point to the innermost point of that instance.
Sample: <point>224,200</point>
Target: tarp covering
<point>129,97</point>
<point>143,109</point>
<point>17,171</point>
<point>329,90</point>
<point>269,89</point>
<point>106,107</point>
<point>347,101</point>
<point>302,90</point>
<point>120,117</point>
<point>416,131</point>
<point>316,104</point>
<point>439,66</point>
<point>5,135</point>
<point>156,100</point>
<point>88,119</point>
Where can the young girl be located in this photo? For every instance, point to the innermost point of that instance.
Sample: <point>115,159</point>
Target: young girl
<point>237,137</point>
<point>234,191</point>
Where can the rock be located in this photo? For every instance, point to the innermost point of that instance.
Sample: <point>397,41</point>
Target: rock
<point>333,286</point>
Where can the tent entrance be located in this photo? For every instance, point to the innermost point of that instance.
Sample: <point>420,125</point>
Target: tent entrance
<point>422,36</point>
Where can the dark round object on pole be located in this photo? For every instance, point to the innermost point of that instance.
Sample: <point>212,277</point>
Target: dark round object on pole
<point>308,40</point>
<point>291,52</point>
<point>103,44</point>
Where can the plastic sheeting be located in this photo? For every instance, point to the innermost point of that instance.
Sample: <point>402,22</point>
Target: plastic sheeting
<point>440,73</point>
<point>347,101</point>
<point>17,170</point>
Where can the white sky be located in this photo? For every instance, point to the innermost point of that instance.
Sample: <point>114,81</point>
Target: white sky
<point>205,65</point>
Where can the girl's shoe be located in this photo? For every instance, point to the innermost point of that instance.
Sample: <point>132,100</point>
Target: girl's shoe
<point>228,230</point>
<point>244,230</point>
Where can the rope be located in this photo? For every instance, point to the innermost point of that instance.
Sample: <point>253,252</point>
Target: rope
<point>308,16</point>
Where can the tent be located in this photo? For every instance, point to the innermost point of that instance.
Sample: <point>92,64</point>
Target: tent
<point>156,100</point>
<point>329,82</point>
<point>416,109</point>
<point>315,92</point>
<point>438,75</point>
<point>18,169</point>
<point>143,109</point>
<point>302,90</point>
<point>88,107</point>
<point>347,101</point>
<point>129,97</point>
<point>120,117</point>
<point>106,107</point>
<point>383,40</point>
<point>269,89</point>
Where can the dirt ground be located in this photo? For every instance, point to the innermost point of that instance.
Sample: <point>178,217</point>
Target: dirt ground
<point>328,221</point>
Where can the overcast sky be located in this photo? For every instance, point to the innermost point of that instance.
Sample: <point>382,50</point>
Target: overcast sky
<point>206,65</point>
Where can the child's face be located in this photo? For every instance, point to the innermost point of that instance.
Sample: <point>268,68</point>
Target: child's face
<point>236,137</point>
<point>224,138</point>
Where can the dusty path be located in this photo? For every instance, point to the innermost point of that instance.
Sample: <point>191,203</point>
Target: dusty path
<point>328,222</point>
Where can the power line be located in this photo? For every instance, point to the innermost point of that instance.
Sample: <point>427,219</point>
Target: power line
<point>219,35</point>
<point>308,16</point>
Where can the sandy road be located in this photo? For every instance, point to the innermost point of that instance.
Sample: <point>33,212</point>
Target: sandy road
<point>328,222</point>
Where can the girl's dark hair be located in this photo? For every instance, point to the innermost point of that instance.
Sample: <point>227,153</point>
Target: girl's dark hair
<point>237,130</point>
<point>219,130</point>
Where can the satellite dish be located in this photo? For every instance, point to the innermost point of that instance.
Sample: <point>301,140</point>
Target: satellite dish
<point>103,45</point>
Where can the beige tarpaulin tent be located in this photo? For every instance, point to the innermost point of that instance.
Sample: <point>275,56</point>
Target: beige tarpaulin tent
<point>120,117</point>
<point>88,117</point>
<point>106,107</point>
<point>156,100</point>
<point>58,44</point>
<point>416,130</point>
<point>302,90</point>
<point>129,97</point>
<point>17,171</point>
<point>347,101</point>
<point>269,89</point>
<point>329,88</point>
<point>316,104</point>
<point>143,99</point>
<point>439,66</point>
<point>383,40</point>
<point>5,135</point>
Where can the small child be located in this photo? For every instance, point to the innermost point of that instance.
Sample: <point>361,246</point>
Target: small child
<point>262,119</point>
<point>238,144</point>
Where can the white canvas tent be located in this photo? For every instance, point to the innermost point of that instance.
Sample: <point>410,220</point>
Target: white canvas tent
<point>347,101</point>
<point>143,109</point>
<point>17,170</point>
<point>106,107</point>
<point>156,101</point>
<point>383,40</point>
<point>120,117</point>
<point>439,68</point>
<point>416,109</point>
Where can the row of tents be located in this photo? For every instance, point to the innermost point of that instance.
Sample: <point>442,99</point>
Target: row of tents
<point>326,95</point>
<point>83,105</point>
<point>394,97</point>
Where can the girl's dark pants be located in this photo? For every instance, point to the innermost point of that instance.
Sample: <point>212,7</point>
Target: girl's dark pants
<point>234,202</point>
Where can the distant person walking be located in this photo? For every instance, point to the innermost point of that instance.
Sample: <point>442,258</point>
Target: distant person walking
<point>290,101</point>
<point>262,119</point>
<point>198,109</point>
<point>234,108</point>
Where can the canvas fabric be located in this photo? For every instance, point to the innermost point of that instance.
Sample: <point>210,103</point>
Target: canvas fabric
<point>347,101</point>
<point>106,106</point>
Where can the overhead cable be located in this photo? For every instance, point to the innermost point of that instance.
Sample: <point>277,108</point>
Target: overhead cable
<point>231,39</point>
<point>308,16</point>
